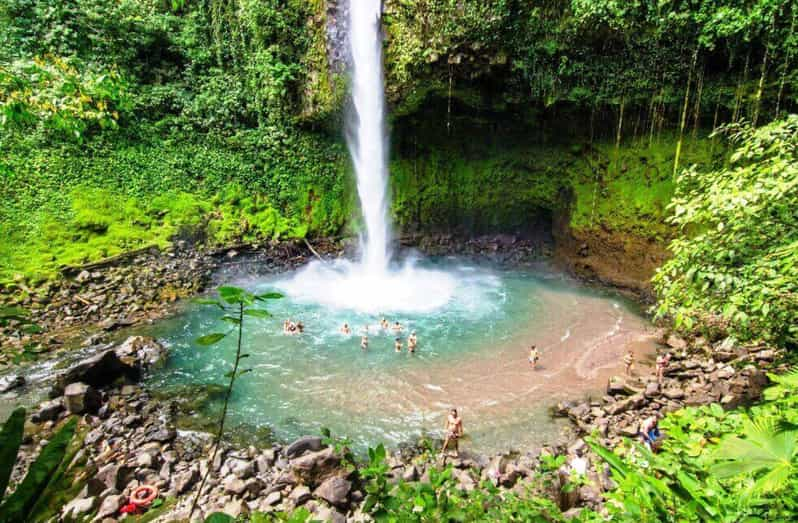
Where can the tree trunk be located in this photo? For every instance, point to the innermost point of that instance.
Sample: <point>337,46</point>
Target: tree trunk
<point>684,113</point>
<point>761,85</point>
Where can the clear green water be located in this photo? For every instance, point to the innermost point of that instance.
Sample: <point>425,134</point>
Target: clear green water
<point>472,354</point>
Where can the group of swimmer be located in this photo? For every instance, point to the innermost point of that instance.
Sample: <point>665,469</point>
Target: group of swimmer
<point>412,339</point>
<point>291,328</point>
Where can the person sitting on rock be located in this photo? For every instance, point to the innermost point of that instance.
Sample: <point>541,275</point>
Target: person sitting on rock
<point>662,364</point>
<point>398,344</point>
<point>534,356</point>
<point>454,431</point>
<point>397,327</point>
<point>412,342</point>
<point>650,433</point>
<point>345,329</point>
<point>629,362</point>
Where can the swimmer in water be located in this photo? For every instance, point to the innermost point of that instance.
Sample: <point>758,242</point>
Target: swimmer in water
<point>397,327</point>
<point>384,323</point>
<point>398,344</point>
<point>534,356</point>
<point>345,329</point>
<point>364,342</point>
<point>412,342</point>
<point>300,327</point>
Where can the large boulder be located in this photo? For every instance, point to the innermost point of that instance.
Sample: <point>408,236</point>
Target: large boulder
<point>302,445</point>
<point>48,411</point>
<point>315,467</point>
<point>142,353</point>
<point>98,370</point>
<point>11,382</point>
<point>334,490</point>
<point>80,398</point>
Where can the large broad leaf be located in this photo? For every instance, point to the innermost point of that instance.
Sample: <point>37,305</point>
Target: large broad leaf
<point>232,294</point>
<point>10,440</point>
<point>210,339</point>
<point>20,502</point>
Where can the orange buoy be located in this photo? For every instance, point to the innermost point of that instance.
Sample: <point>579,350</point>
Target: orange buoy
<point>144,495</point>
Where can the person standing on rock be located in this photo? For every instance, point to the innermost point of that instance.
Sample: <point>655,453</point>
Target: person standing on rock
<point>662,364</point>
<point>454,431</point>
<point>629,362</point>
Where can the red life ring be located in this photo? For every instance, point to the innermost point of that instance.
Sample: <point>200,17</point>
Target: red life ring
<point>144,495</point>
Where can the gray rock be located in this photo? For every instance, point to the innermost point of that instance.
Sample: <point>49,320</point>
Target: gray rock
<point>236,508</point>
<point>334,491</point>
<point>233,485</point>
<point>8,383</point>
<point>98,370</point>
<point>113,475</point>
<point>183,481</point>
<point>142,353</point>
<point>110,506</point>
<point>675,342</point>
<point>313,468</point>
<point>79,507</point>
<point>48,411</point>
<point>272,499</point>
<point>299,495</point>
<point>652,389</point>
<point>329,515</point>
<point>80,398</point>
<point>303,444</point>
<point>243,469</point>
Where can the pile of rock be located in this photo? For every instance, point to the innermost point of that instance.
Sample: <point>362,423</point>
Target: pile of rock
<point>500,248</point>
<point>699,374</point>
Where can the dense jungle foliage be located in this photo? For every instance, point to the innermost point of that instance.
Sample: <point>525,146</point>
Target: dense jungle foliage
<point>221,121</point>
<point>131,123</point>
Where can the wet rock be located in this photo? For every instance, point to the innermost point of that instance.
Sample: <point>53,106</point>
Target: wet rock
<point>334,491</point>
<point>652,390</point>
<point>302,445</point>
<point>142,352</point>
<point>98,371</point>
<point>48,411</point>
<point>242,469</point>
<point>80,398</point>
<point>9,383</point>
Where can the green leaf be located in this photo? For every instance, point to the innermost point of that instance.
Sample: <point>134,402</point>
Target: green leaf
<point>269,296</point>
<point>220,517</point>
<point>231,319</point>
<point>210,339</point>
<point>231,295</point>
<point>20,502</point>
<point>257,313</point>
<point>208,301</point>
<point>10,440</point>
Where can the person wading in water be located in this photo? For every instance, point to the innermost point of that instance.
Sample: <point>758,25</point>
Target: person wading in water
<point>454,431</point>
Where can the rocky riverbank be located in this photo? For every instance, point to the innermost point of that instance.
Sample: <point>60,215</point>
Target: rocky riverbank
<point>132,289</point>
<point>130,438</point>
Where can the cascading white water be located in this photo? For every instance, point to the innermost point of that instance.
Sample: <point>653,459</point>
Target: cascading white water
<point>366,136</point>
<point>373,284</point>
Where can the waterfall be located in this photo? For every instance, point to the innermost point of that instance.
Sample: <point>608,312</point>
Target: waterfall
<point>374,284</point>
<point>366,134</point>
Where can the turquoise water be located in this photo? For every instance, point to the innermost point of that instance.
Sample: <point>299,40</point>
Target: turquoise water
<point>471,354</point>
